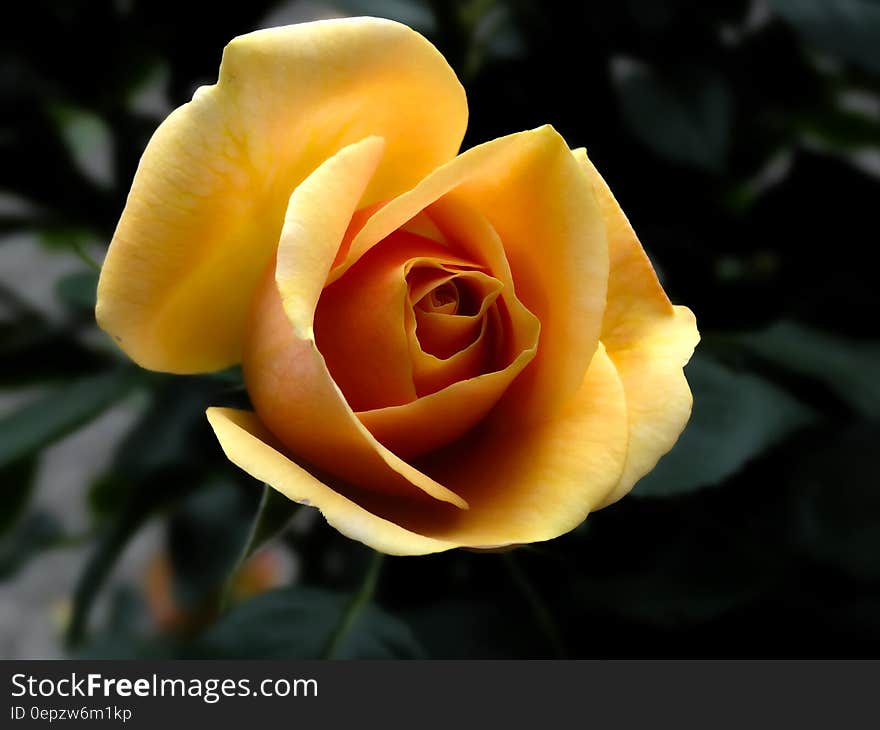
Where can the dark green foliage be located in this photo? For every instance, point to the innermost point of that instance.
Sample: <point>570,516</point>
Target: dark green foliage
<point>736,417</point>
<point>685,118</point>
<point>44,420</point>
<point>849,29</point>
<point>303,621</point>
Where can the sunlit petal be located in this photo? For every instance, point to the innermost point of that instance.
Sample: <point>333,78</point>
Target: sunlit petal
<point>206,206</point>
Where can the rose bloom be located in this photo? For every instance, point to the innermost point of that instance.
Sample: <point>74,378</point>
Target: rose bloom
<point>441,351</point>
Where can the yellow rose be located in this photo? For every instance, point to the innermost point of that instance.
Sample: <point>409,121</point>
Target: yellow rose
<point>441,350</point>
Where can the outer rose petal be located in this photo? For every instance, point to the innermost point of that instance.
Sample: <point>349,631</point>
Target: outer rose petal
<point>207,203</point>
<point>524,486</point>
<point>287,378</point>
<point>246,443</point>
<point>648,339</point>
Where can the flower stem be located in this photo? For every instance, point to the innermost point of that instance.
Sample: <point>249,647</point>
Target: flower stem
<point>537,606</point>
<point>360,599</point>
<point>78,248</point>
<point>273,516</point>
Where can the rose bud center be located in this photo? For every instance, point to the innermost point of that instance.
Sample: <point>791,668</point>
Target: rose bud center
<point>419,335</point>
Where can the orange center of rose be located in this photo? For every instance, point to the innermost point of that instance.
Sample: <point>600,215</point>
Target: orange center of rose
<point>408,319</point>
<point>423,335</point>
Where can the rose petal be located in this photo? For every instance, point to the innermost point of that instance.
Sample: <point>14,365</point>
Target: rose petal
<point>246,443</point>
<point>431,373</point>
<point>360,321</point>
<point>207,203</point>
<point>479,241</point>
<point>359,330</point>
<point>524,485</point>
<point>422,225</point>
<point>422,279</point>
<point>287,378</point>
<point>648,339</point>
<point>443,332</point>
<point>441,417</point>
<point>535,196</point>
<point>436,419</point>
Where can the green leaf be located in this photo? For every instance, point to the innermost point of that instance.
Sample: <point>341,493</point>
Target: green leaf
<point>847,367</point>
<point>676,584</point>
<point>838,509</point>
<point>849,29</point>
<point>48,418</point>
<point>684,118</point>
<point>736,417</point>
<point>298,623</point>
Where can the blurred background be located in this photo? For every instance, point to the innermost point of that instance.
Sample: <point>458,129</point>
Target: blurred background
<point>742,138</point>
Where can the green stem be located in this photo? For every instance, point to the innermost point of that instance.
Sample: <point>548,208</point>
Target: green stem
<point>538,608</point>
<point>78,249</point>
<point>358,602</point>
<point>71,541</point>
<point>273,515</point>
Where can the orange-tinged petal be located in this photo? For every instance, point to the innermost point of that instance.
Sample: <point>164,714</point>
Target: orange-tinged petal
<point>454,400</point>
<point>447,329</point>
<point>648,339</point>
<point>480,242</point>
<point>441,417</point>
<point>246,443</point>
<point>360,326</point>
<point>422,225</point>
<point>535,196</point>
<point>287,377</point>
<point>527,483</point>
<point>523,485</point>
<point>359,329</point>
<point>207,203</point>
<point>431,373</point>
